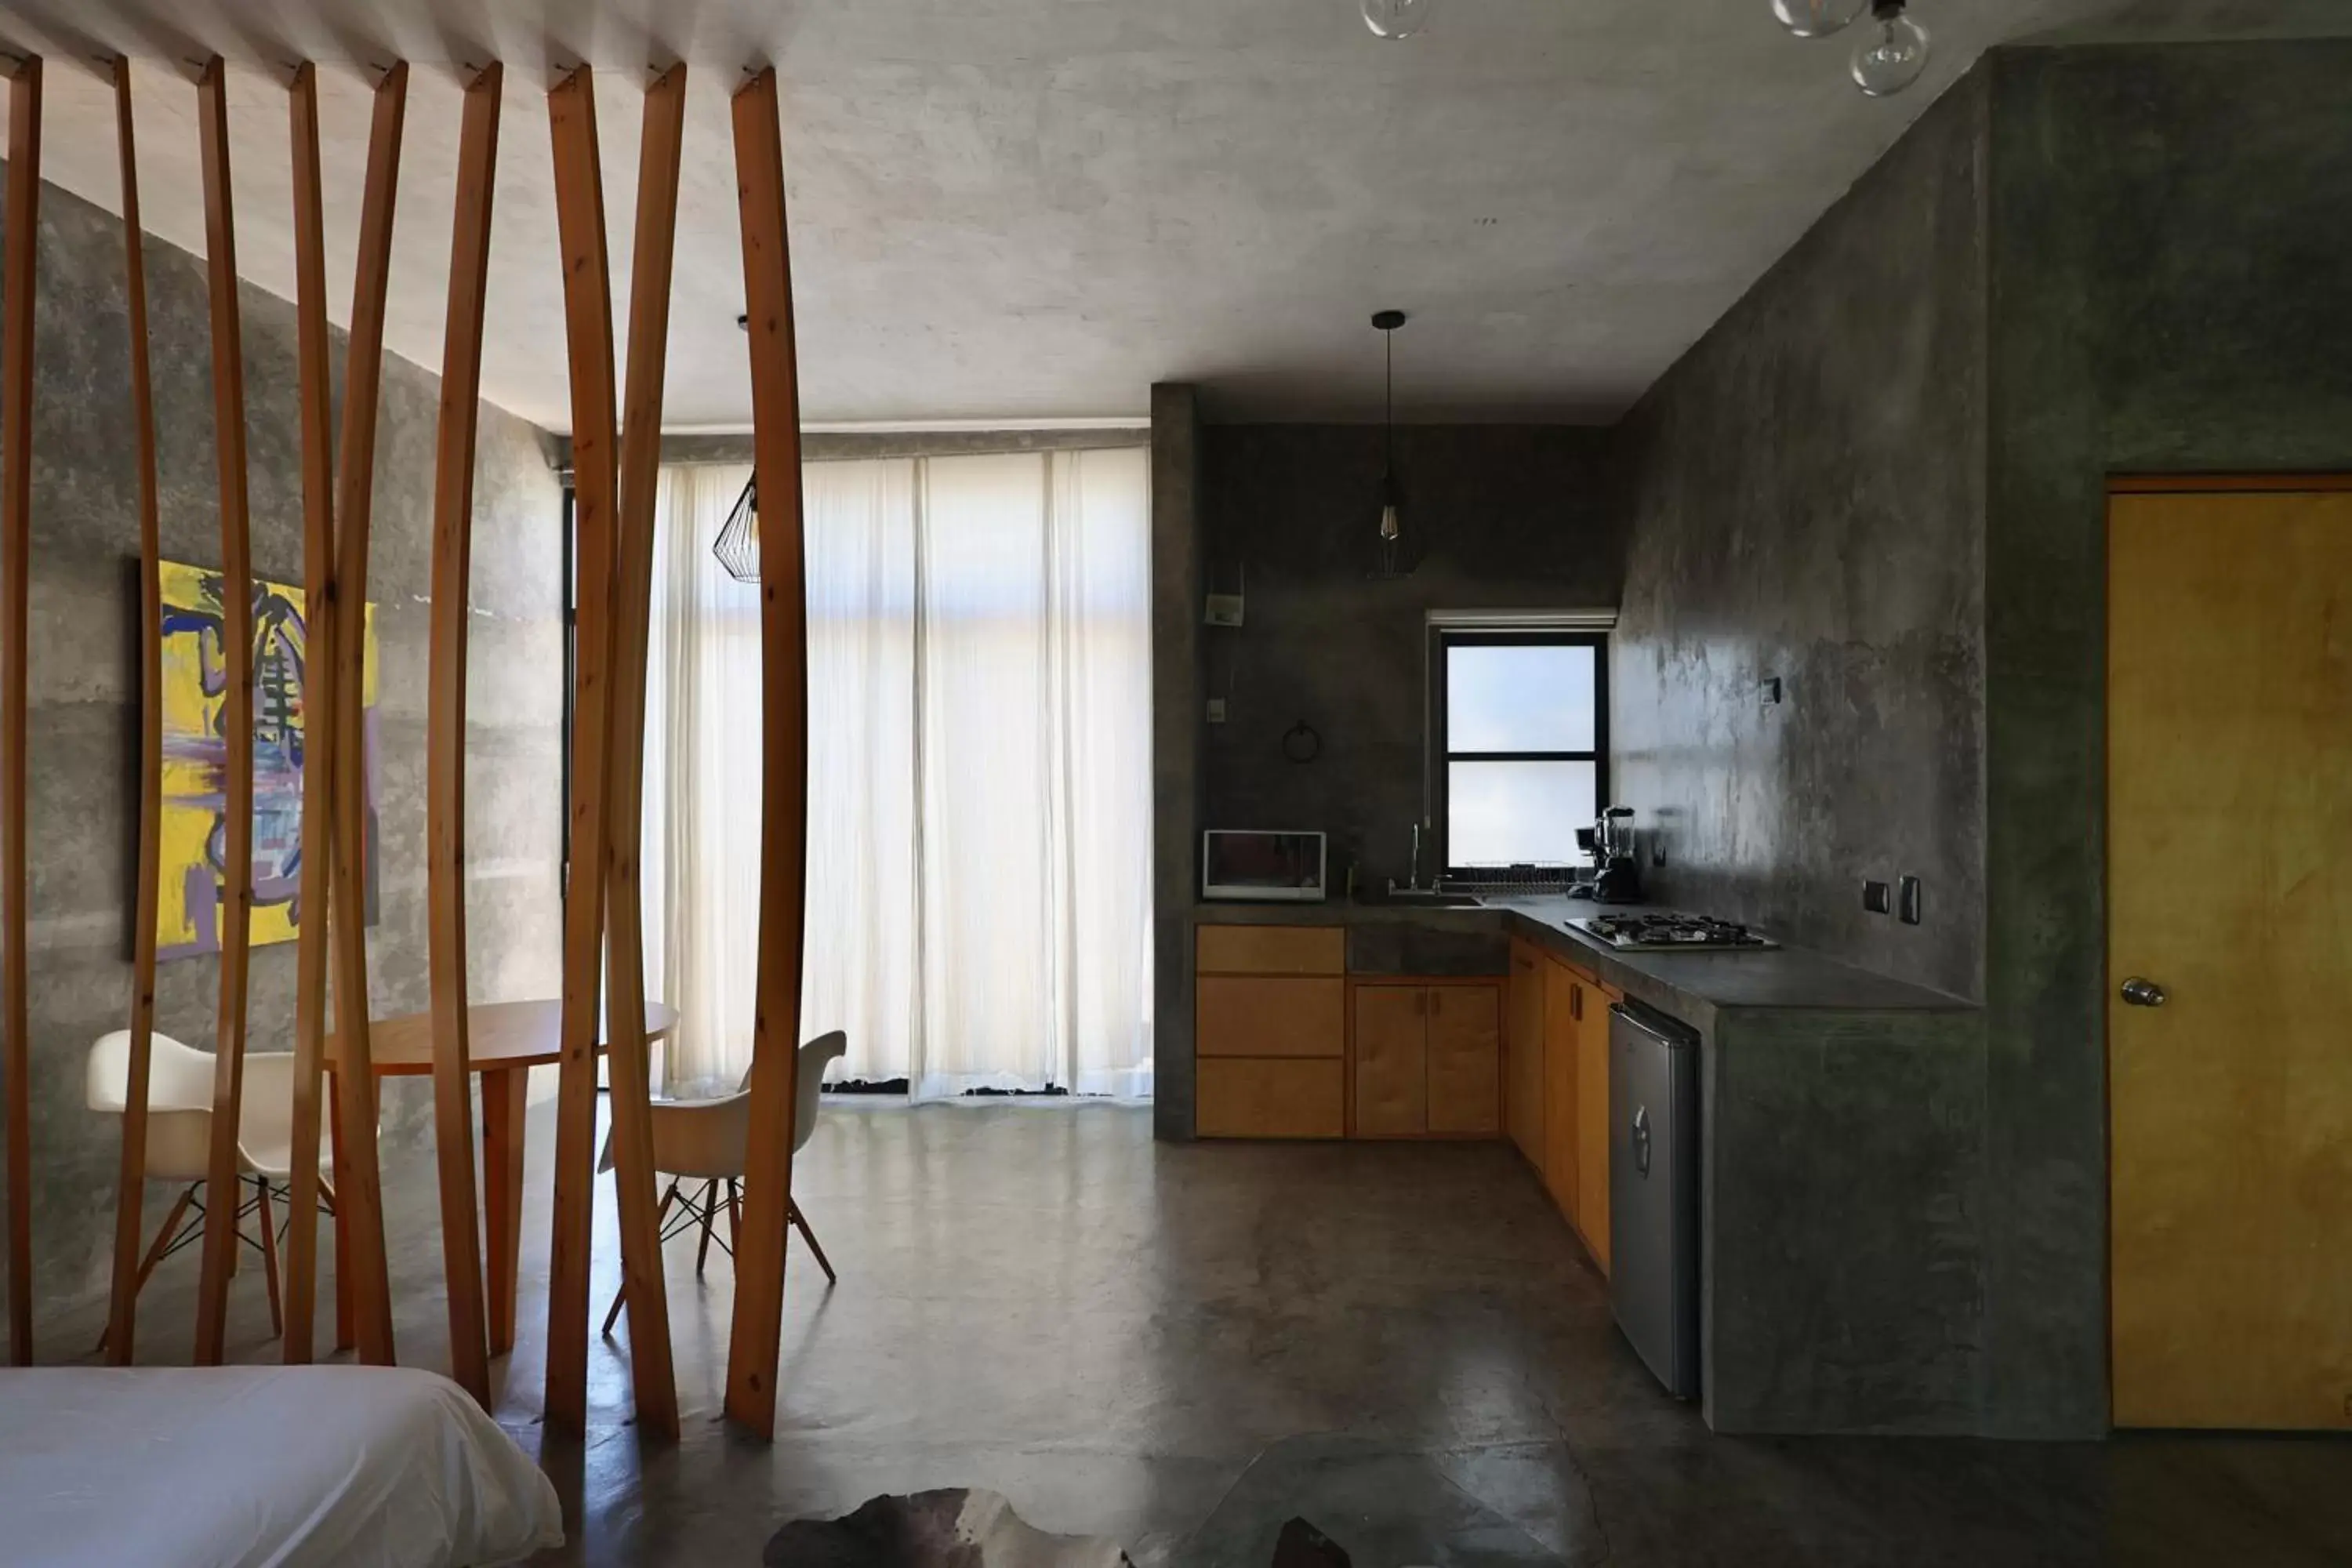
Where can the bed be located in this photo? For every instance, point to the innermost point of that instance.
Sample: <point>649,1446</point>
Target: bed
<point>370,1467</point>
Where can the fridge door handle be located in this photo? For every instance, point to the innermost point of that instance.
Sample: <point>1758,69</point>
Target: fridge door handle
<point>1642,1139</point>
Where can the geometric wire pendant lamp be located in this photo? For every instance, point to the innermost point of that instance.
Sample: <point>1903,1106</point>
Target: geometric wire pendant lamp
<point>737,545</point>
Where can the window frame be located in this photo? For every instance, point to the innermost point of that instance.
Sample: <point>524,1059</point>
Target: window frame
<point>1442,640</point>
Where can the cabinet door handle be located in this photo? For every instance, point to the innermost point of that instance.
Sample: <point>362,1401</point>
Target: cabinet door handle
<point>1576,1002</point>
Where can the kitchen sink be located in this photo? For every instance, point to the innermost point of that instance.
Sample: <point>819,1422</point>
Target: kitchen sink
<point>1426,898</point>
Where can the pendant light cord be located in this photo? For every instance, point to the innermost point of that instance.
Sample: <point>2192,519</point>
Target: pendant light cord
<point>1388,438</point>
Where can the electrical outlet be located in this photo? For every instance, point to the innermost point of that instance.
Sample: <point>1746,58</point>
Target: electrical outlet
<point>1216,709</point>
<point>1877,898</point>
<point>1771,691</point>
<point>1909,902</point>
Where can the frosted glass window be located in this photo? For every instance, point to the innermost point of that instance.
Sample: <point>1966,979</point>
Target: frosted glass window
<point>1522,697</point>
<point>1509,814</point>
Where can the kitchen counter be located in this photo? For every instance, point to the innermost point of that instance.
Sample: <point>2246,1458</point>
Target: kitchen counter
<point>1691,985</point>
<point>1841,1130</point>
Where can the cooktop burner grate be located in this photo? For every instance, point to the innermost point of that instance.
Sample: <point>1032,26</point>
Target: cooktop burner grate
<point>1666,932</point>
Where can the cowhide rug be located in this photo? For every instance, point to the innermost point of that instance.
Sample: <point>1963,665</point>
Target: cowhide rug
<point>955,1527</point>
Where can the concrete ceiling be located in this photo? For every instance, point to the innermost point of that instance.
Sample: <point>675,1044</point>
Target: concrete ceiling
<point>1032,210</point>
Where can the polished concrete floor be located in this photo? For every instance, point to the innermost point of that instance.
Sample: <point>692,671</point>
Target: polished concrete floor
<point>1180,1346</point>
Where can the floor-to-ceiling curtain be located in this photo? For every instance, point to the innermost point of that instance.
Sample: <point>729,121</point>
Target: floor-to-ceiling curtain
<point>979,911</point>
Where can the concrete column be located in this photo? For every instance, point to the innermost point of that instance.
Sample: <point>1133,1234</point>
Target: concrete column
<point>1175,744</point>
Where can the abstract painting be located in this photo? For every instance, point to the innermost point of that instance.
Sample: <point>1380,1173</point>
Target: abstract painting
<point>196,762</point>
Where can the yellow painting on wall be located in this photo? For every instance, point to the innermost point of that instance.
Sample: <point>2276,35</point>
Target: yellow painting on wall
<point>196,758</point>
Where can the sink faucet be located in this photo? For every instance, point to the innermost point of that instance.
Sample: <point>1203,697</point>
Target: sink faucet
<point>1412,886</point>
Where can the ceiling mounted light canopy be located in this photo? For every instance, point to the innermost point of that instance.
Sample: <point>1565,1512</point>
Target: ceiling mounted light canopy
<point>1892,53</point>
<point>1396,18</point>
<point>1390,559</point>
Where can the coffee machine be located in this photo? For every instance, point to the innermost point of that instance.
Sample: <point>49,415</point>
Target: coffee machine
<point>1616,857</point>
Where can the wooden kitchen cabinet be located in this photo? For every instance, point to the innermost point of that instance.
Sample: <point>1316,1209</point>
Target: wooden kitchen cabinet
<point>1243,1097</point>
<point>1562,1000</point>
<point>1466,1064</point>
<point>1257,1016</point>
<point>1392,1061</point>
<point>1592,1121</point>
<point>1576,1101</point>
<point>1524,1046</point>
<point>1427,1059</point>
<point>1270,1031</point>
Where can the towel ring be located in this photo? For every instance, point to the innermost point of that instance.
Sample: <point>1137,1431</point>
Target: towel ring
<point>1300,743</point>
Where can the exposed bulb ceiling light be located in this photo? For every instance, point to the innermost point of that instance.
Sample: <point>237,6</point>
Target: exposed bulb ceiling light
<point>1396,18</point>
<point>1893,52</point>
<point>1817,18</point>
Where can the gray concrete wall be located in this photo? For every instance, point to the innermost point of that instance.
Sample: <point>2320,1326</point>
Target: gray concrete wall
<point>2170,229</point>
<point>1175,745</point>
<point>1806,488</point>
<point>1506,516</point>
<point>85,691</point>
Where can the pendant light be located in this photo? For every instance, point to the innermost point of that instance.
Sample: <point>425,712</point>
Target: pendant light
<point>1893,53</point>
<point>738,545</point>
<point>1391,560</point>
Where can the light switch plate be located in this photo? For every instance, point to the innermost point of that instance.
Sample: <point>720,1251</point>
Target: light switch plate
<point>1216,709</point>
<point>1877,898</point>
<point>1907,903</point>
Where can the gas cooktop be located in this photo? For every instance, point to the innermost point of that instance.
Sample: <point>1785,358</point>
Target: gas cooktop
<point>1661,930</point>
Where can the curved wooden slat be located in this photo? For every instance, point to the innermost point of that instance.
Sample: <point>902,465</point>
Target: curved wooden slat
<point>445,756</point>
<point>322,626</point>
<point>16,281</point>
<point>124,1297</point>
<point>236,911</point>
<point>633,1145</point>
<point>588,322</point>
<point>363,1278</point>
<point>751,1349</point>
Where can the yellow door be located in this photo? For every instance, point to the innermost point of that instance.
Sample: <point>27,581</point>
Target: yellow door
<point>2229,958</point>
<point>1392,1061</point>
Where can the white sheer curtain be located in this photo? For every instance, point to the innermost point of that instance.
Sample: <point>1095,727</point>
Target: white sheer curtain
<point>980,813</point>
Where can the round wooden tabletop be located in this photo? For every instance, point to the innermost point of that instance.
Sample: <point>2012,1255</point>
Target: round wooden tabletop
<point>499,1035</point>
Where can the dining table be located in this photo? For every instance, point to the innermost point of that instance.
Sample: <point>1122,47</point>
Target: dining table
<point>504,1041</point>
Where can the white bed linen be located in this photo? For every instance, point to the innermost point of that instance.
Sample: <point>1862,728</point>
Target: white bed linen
<point>369,1467</point>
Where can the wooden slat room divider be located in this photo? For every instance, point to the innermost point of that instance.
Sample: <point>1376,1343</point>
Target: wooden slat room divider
<point>753,1341</point>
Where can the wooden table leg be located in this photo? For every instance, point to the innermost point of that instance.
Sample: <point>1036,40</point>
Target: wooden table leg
<point>504,1095</point>
<point>344,1335</point>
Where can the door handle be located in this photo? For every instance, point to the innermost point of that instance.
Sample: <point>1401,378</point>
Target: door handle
<point>2138,992</point>
<point>1642,1139</point>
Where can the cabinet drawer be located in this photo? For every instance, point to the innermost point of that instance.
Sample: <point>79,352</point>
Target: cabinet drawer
<point>1271,950</point>
<point>1261,1098</point>
<point>1248,1015</point>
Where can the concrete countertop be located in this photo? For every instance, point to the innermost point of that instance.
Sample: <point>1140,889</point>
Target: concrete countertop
<point>1681,982</point>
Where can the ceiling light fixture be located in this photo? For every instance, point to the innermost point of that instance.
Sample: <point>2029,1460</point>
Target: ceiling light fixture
<point>1390,561</point>
<point>1396,18</point>
<point>1817,18</point>
<point>1893,53</point>
<point>738,545</point>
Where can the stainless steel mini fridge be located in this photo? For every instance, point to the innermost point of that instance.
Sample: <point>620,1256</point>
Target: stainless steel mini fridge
<point>1653,1170</point>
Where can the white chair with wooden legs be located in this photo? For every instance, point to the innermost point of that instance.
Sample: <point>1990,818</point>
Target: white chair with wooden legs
<point>709,1141</point>
<point>179,1142</point>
